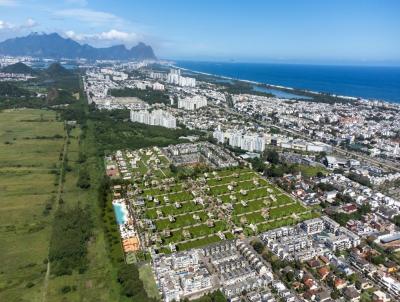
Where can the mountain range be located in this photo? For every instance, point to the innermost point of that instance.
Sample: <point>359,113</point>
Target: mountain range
<point>56,47</point>
<point>53,70</point>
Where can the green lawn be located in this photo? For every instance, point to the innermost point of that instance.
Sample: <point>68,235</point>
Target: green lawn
<point>198,243</point>
<point>180,221</point>
<point>149,283</point>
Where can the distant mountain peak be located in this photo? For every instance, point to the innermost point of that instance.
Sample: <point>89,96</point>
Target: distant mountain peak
<point>54,46</point>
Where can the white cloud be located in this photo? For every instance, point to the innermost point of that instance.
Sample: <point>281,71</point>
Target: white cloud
<point>114,34</point>
<point>88,15</point>
<point>5,25</point>
<point>8,3</point>
<point>105,38</point>
<point>29,23</point>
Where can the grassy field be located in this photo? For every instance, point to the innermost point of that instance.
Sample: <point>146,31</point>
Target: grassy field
<point>147,276</point>
<point>29,153</point>
<point>98,283</point>
<point>30,145</point>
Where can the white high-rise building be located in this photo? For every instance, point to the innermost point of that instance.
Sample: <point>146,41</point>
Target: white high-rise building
<point>155,118</point>
<point>219,136</point>
<point>157,75</point>
<point>259,144</point>
<point>158,86</point>
<point>192,103</point>
<point>174,77</point>
<point>248,142</point>
<point>235,139</point>
<point>396,150</point>
<point>141,85</point>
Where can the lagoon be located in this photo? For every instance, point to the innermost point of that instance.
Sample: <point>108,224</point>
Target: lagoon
<point>280,93</point>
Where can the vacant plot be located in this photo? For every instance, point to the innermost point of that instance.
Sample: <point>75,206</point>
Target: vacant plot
<point>30,145</point>
<point>31,142</point>
<point>149,283</point>
<point>97,282</point>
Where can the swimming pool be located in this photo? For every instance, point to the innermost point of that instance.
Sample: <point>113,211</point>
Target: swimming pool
<point>120,214</point>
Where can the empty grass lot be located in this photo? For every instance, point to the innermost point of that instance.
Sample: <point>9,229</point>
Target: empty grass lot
<point>30,144</point>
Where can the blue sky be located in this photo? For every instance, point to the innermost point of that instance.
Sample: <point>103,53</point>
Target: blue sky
<point>284,31</point>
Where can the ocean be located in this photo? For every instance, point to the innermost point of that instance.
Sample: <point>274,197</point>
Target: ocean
<point>382,83</point>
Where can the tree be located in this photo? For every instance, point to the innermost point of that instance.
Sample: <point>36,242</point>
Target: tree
<point>353,278</point>
<point>258,164</point>
<point>377,260</point>
<point>131,284</point>
<point>173,168</point>
<point>290,276</point>
<point>335,294</point>
<point>258,246</point>
<point>273,157</point>
<point>84,179</point>
<point>396,220</point>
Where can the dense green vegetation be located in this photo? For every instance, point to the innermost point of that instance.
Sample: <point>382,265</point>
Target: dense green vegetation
<point>72,229</point>
<point>84,179</point>
<point>362,180</point>
<point>59,97</point>
<point>18,102</point>
<point>59,83</point>
<point>18,68</point>
<point>8,89</point>
<point>343,218</point>
<point>278,170</point>
<point>59,77</point>
<point>131,284</point>
<point>149,96</point>
<point>396,220</point>
<point>216,296</point>
<point>124,134</point>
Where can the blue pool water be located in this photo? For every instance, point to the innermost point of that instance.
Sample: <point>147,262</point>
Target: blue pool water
<point>119,214</point>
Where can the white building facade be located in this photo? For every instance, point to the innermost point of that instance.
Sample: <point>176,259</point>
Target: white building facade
<point>174,77</point>
<point>155,118</point>
<point>192,103</point>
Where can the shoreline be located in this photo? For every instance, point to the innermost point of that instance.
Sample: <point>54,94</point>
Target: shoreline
<point>283,88</point>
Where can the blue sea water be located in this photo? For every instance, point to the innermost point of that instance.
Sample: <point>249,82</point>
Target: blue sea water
<point>382,83</point>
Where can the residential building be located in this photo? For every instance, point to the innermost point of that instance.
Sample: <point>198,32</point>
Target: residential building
<point>155,118</point>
